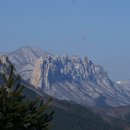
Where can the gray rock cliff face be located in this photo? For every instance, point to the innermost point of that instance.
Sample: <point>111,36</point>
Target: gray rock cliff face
<point>74,79</point>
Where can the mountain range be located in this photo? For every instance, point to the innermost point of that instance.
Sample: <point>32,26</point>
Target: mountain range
<point>68,115</point>
<point>69,78</point>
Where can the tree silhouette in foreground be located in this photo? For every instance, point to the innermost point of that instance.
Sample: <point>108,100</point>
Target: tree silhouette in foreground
<point>19,113</point>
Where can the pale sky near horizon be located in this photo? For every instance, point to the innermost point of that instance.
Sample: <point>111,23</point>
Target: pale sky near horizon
<point>99,29</point>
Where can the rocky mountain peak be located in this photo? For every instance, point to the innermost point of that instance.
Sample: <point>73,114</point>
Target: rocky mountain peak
<point>64,68</point>
<point>24,60</point>
<point>64,77</point>
<point>27,54</point>
<point>68,77</point>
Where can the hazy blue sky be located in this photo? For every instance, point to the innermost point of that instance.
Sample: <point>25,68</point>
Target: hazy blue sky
<point>99,29</point>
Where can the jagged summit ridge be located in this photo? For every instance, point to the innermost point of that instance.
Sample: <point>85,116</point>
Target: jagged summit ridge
<point>68,78</point>
<point>72,69</point>
<point>76,79</point>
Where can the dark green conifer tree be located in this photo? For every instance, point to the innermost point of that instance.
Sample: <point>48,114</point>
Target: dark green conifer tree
<point>19,113</point>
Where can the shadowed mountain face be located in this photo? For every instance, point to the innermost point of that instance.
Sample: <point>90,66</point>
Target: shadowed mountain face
<point>69,78</point>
